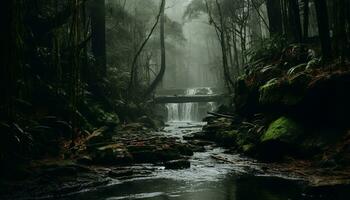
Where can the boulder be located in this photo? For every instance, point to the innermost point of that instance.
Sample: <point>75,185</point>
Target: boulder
<point>248,149</point>
<point>111,154</point>
<point>227,138</point>
<point>120,173</point>
<point>271,92</point>
<point>282,130</point>
<point>283,92</point>
<point>148,122</point>
<point>281,138</point>
<point>177,164</point>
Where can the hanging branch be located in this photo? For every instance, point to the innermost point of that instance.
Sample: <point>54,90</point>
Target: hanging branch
<point>160,75</point>
<point>133,66</point>
<point>260,15</point>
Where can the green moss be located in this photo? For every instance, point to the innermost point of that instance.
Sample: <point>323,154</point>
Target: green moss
<point>269,93</point>
<point>281,92</point>
<point>227,138</point>
<point>248,148</point>
<point>283,129</point>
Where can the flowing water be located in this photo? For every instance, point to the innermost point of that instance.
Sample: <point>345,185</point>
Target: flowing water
<point>207,179</point>
<point>190,111</point>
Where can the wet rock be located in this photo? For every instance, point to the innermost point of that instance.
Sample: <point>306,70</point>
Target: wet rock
<point>249,149</point>
<point>133,127</point>
<point>197,148</point>
<point>227,138</point>
<point>120,173</point>
<point>148,122</point>
<point>112,154</point>
<point>177,164</point>
<point>194,136</point>
<point>85,160</point>
<point>184,149</point>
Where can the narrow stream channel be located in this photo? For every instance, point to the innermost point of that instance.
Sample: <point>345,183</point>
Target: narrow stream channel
<point>207,179</point>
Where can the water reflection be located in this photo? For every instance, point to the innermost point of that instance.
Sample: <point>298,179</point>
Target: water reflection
<point>229,188</point>
<point>208,179</point>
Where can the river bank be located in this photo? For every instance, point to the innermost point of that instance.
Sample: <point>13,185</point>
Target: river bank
<point>214,172</point>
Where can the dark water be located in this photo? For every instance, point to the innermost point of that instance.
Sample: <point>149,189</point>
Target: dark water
<point>209,179</point>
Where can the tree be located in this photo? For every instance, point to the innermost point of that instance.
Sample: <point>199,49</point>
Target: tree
<point>323,28</point>
<point>160,75</point>
<point>306,11</point>
<point>138,53</point>
<point>340,28</point>
<point>275,16</point>
<point>294,28</point>
<point>98,45</point>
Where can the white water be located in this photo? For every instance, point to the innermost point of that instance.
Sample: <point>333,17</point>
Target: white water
<point>188,112</point>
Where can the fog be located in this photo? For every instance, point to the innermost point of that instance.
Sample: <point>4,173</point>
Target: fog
<point>196,63</point>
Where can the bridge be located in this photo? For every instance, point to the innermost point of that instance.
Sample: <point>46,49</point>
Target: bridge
<point>190,98</point>
<point>181,91</point>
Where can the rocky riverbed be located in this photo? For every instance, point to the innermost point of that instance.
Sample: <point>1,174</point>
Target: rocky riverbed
<point>203,171</point>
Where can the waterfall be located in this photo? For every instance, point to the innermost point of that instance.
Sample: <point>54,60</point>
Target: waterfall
<point>189,111</point>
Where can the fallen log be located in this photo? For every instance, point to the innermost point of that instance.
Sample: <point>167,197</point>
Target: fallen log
<point>221,115</point>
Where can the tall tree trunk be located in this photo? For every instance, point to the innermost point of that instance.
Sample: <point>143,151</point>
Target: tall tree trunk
<point>235,50</point>
<point>323,28</point>
<point>98,31</point>
<point>161,73</point>
<point>227,76</point>
<point>275,16</point>
<point>295,32</point>
<point>340,28</point>
<point>10,60</point>
<point>133,70</point>
<point>306,19</point>
<point>347,11</point>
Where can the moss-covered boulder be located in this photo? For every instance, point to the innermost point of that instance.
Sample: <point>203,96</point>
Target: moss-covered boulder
<point>227,138</point>
<point>284,130</point>
<point>281,138</point>
<point>280,92</point>
<point>271,92</point>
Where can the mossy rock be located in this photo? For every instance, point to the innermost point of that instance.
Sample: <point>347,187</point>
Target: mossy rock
<point>227,138</point>
<point>280,92</point>
<point>271,92</point>
<point>281,138</point>
<point>249,148</point>
<point>284,130</point>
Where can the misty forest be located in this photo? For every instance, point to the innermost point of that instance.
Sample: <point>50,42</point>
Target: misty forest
<point>175,99</point>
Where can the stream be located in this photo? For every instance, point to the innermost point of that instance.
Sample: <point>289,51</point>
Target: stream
<point>207,179</point>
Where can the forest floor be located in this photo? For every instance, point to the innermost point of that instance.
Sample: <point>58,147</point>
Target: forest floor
<point>100,159</point>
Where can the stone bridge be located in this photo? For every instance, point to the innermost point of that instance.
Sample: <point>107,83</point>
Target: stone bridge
<point>190,98</point>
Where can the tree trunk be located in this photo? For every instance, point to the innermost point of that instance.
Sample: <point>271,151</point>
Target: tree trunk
<point>98,25</point>
<point>9,60</point>
<point>295,32</point>
<point>323,28</point>
<point>160,75</point>
<point>227,76</point>
<point>340,28</point>
<point>306,19</point>
<point>275,17</point>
